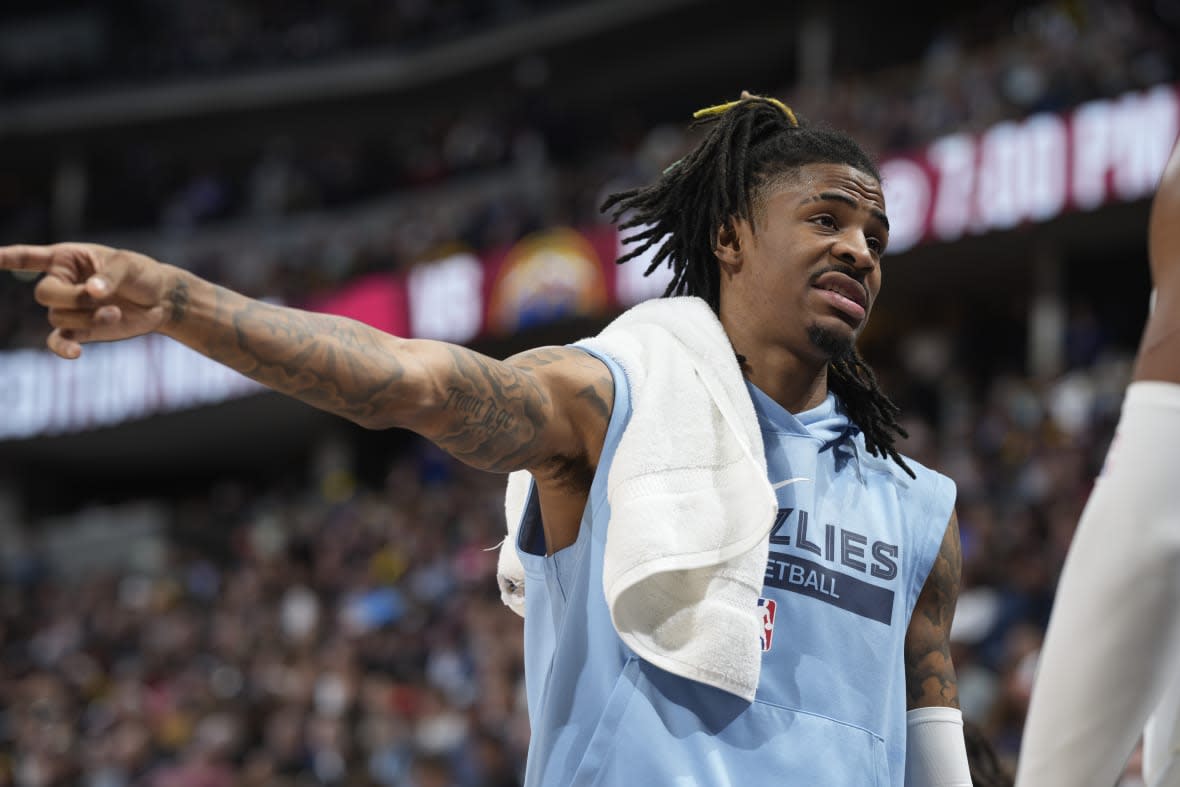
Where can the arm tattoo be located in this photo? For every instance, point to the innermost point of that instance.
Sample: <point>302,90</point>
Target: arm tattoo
<point>333,363</point>
<point>930,674</point>
<point>592,394</point>
<point>499,413</point>
<point>542,356</point>
<point>178,297</point>
<point>495,412</point>
<point>478,413</point>
<point>495,415</point>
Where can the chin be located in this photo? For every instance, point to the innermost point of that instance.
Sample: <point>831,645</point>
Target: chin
<point>832,343</point>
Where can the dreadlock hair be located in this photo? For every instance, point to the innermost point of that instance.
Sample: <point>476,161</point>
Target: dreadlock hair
<point>753,142</point>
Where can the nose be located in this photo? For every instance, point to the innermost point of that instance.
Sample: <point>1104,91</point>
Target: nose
<point>852,247</point>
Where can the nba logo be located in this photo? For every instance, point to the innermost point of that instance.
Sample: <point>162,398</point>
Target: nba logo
<point>766,605</point>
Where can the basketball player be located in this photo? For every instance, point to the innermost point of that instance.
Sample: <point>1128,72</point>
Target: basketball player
<point>777,229</point>
<point>1112,651</point>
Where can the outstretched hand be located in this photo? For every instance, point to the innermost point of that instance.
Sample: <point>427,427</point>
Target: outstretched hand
<point>94,293</point>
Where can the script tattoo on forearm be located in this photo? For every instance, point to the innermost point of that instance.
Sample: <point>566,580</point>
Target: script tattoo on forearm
<point>930,673</point>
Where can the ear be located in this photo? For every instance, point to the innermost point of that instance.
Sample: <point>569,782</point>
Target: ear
<point>728,247</point>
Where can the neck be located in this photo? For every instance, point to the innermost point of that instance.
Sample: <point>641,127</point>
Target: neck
<point>795,381</point>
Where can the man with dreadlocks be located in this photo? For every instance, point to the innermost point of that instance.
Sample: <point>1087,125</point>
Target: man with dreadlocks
<point>732,575</point>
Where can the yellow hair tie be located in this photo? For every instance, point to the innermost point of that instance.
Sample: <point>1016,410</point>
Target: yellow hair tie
<point>719,109</point>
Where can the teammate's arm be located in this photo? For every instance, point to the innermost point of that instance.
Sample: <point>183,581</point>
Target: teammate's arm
<point>936,752</point>
<point>1113,640</point>
<point>1159,351</point>
<point>1163,235</point>
<point>541,409</point>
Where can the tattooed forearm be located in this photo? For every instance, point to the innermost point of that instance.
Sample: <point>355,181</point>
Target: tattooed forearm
<point>930,674</point>
<point>542,407</point>
<point>333,363</point>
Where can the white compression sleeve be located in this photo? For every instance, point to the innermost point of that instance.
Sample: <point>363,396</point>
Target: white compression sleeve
<point>1161,739</point>
<point>935,753</point>
<point>1114,636</point>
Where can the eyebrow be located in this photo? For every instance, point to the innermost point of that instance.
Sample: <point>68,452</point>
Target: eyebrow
<point>835,196</point>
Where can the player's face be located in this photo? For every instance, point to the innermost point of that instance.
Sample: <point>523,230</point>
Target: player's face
<point>809,271</point>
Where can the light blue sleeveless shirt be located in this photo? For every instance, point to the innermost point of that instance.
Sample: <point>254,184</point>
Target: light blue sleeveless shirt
<point>851,548</point>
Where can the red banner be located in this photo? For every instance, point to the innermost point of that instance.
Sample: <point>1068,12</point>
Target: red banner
<point>378,299</point>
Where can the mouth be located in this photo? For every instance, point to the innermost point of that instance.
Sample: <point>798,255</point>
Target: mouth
<point>844,293</point>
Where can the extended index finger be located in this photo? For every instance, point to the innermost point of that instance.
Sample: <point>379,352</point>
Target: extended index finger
<point>23,257</point>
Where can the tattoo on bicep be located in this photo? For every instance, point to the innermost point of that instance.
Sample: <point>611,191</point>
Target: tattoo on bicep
<point>504,415</point>
<point>542,356</point>
<point>593,396</point>
<point>479,412</point>
<point>499,412</point>
<point>930,673</point>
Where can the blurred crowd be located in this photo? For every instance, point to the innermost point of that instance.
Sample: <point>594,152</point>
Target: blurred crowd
<point>344,634</point>
<point>341,636</point>
<point>141,41</point>
<point>1048,57</point>
<point>995,66</point>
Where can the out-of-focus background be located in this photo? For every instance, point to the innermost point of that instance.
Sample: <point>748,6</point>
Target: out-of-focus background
<point>205,584</point>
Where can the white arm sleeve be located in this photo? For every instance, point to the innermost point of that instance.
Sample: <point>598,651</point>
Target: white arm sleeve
<point>935,752</point>
<point>1161,739</point>
<point>1114,635</point>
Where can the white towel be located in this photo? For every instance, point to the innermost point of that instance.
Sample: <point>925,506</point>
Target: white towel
<point>691,506</point>
<point>509,569</point>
